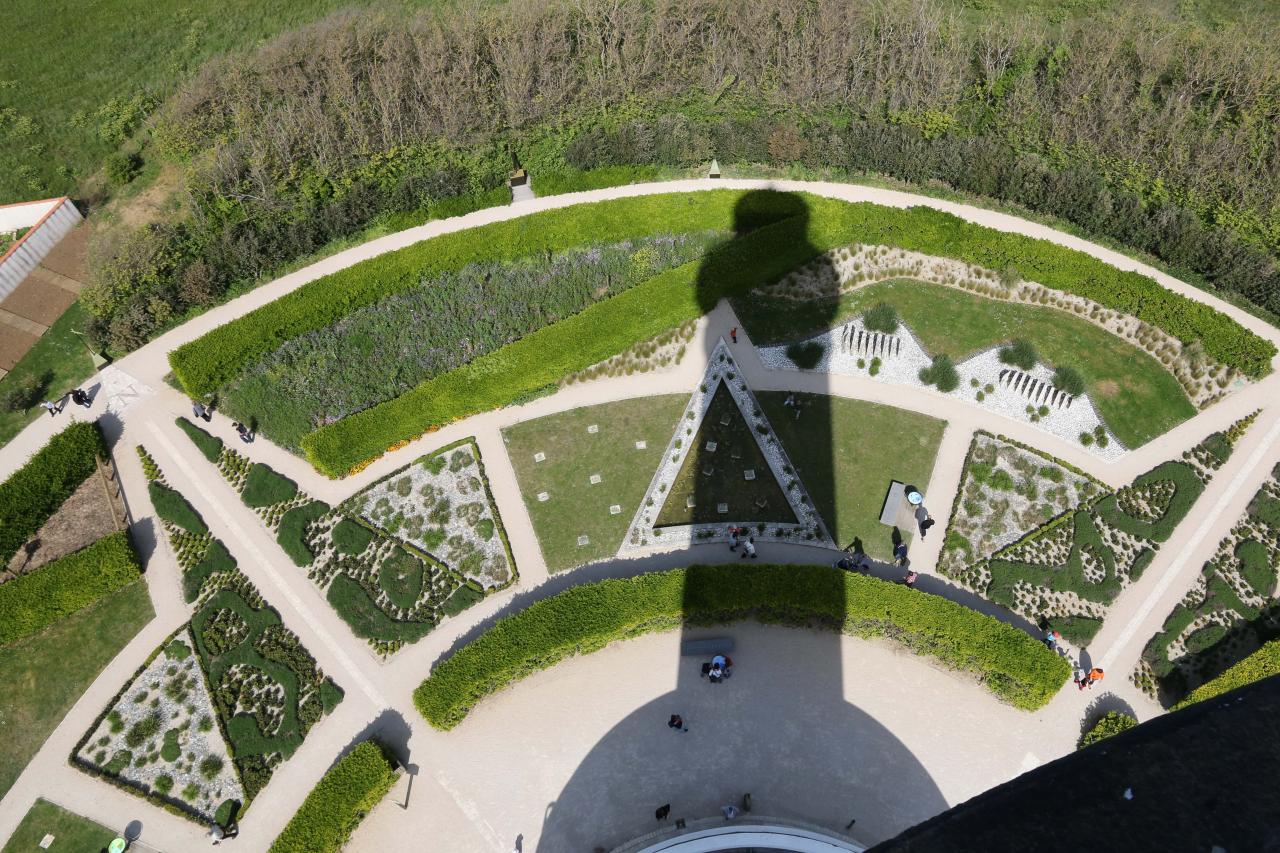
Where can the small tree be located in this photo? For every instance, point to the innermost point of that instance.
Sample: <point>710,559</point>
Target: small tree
<point>1021,354</point>
<point>18,395</point>
<point>881,318</point>
<point>1068,379</point>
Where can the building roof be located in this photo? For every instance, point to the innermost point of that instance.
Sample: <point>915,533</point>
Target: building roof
<point>1206,778</point>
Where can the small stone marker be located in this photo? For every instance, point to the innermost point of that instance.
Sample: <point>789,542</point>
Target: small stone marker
<point>689,502</point>
<point>749,474</point>
<point>723,509</point>
<point>583,540</point>
<point>725,420</point>
<point>543,497</point>
<point>595,478</point>
<point>711,447</point>
<point>615,509</point>
<point>539,457</point>
<point>641,445</point>
<point>46,842</point>
<point>593,429</point>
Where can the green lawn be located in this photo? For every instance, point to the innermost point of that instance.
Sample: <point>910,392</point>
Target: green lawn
<point>71,833</point>
<point>575,507</point>
<point>1134,394</point>
<point>59,353</point>
<point>41,677</point>
<point>847,451</point>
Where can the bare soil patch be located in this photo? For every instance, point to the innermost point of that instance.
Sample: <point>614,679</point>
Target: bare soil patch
<point>85,518</point>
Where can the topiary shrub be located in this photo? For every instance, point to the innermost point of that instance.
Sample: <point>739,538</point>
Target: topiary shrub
<point>807,355</point>
<point>1068,379</point>
<point>1109,724</point>
<point>210,446</point>
<point>1205,638</point>
<point>1019,353</point>
<point>264,487</point>
<point>350,537</point>
<point>941,374</point>
<point>881,318</point>
<point>292,532</point>
<point>173,508</point>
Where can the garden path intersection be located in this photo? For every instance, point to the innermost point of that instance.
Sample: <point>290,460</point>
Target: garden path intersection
<point>918,728</point>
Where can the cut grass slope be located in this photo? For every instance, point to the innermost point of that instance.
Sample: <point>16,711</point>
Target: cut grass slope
<point>846,453</point>
<point>42,676</point>
<point>1135,395</point>
<point>574,507</point>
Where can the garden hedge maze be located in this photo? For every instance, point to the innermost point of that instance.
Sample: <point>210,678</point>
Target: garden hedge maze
<point>421,544</point>
<point>1230,612</point>
<point>202,733</point>
<point>1066,572</point>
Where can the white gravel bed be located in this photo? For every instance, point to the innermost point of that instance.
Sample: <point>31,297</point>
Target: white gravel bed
<point>642,537</point>
<point>904,358</point>
<point>145,696</point>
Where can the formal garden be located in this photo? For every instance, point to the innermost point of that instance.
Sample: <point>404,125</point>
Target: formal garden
<point>202,725</point>
<point>1067,568</point>
<point>1232,609</point>
<point>376,571</point>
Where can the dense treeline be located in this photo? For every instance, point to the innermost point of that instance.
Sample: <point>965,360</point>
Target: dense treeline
<point>1131,123</point>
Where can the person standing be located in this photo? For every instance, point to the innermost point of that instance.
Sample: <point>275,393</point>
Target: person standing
<point>677,723</point>
<point>1094,675</point>
<point>749,548</point>
<point>733,333</point>
<point>910,580</point>
<point>662,811</point>
<point>730,812</point>
<point>733,538</point>
<point>1051,640</point>
<point>900,553</point>
<point>197,410</point>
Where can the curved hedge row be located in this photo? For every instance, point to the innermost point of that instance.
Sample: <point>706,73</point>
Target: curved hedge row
<point>1263,663</point>
<point>32,602</point>
<point>1014,666</point>
<point>335,807</point>
<point>38,488</point>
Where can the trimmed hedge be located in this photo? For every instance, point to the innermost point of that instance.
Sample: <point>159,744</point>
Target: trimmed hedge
<point>1016,667</point>
<point>1109,724</point>
<point>171,506</point>
<point>264,487</point>
<point>32,602</point>
<point>38,488</point>
<point>335,807</point>
<point>365,618</point>
<point>216,559</point>
<point>1263,663</point>
<point>293,526</point>
<point>209,445</point>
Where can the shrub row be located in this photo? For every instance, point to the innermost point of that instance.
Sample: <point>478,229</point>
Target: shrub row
<point>32,602</point>
<point>38,488</point>
<point>1263,663</point>
<point>209,445</point>
<point>335,807</point>
<point>204,365</point>
<point>814,225</point>
<point>264,487</point>
<point>1011,664</point>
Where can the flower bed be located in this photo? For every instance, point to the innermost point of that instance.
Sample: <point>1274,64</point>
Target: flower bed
<point>1233,608</point>
<point>583,619</point>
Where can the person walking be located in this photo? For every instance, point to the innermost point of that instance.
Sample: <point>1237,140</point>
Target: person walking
<point>198,410</point>
<point>923,521</point>
<point>730,812</point>
<point>749,548</point>
<point>51,407</point>
<point>1093,675</point>
<point>80,398</point>
<point>677,723</point>
<point>733,538</point>
<point>733,333</point>
<point>662,812</point>
<point>1052,639</point>
<point>910,580</point>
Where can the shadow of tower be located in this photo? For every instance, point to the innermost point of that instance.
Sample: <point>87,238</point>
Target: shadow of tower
<point>779,728</point>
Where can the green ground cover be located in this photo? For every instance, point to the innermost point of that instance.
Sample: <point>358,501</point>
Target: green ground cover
<point>584,619</point>
<point>72,833</point>
<point>575,507</point>
<point>59,357</point>
<point>709,478</point>
<point>1134,394</point>
<point>42,676</point>
<point>847,451</point>
<point>337,804</point>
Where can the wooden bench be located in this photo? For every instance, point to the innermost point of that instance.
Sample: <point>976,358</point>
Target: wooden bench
<point>706,646</point>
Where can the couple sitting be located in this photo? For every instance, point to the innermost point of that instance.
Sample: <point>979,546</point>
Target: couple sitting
<point>720,668</point>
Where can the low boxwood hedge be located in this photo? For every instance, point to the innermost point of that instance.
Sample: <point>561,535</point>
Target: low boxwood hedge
<point>171,506</point>
<point>366,619</point>
<point>34,601</point>
<point>1016,667</point>
<point>38,488</point>
<point>209,445</point>
<point>335,807</point>
<point>293,527</point>
<point>264,487</point>
<point>216,559</point>
<point>1263,663</point>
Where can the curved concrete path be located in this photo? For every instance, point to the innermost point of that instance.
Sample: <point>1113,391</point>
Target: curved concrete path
<point>495,775</point>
